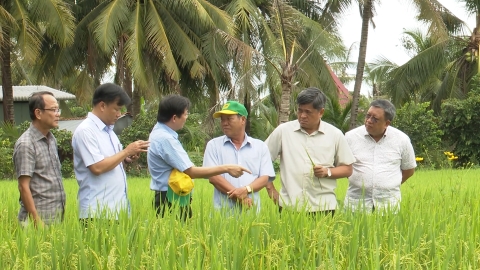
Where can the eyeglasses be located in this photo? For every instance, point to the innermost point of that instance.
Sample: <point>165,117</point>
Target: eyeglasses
<point>373,118</point>
<point>55,110</point>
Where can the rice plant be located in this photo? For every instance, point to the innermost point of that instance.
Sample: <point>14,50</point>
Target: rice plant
<point>437,228</point>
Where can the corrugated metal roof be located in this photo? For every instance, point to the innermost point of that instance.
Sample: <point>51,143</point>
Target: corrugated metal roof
<point>22,93</point>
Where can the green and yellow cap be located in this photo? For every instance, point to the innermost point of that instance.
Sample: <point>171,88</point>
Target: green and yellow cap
<point>232,107</point>
<point>180,187</point>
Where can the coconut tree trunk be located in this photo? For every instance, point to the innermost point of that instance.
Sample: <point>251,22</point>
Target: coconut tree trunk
<point>209,126</point>
<point>136,96</point>
<point>120,63</point>
<point>247,104</point>
<point>286,77</point>
<point>375,92</point>
<point>7,88</point>
<point>128,87</point>
<point>367,16</point>
<point>123,76</point>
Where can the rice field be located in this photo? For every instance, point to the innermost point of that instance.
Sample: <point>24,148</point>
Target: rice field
<point>438,227</point>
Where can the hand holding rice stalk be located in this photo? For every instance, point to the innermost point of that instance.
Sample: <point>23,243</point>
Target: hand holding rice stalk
<point>313,165</point>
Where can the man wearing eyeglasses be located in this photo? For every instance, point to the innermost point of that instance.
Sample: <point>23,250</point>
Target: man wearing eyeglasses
<point>384,160</point>
<point>35,157</point>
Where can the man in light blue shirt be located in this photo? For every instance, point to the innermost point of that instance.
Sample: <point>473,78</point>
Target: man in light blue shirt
<point>237,147</point>
<point>98,157</point>
<point>166,153</point>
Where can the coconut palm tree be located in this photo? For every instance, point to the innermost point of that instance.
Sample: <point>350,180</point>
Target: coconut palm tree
<point>157,46</point>
<point>24,23</point>
<point>377,74</point>
<point>287,49</point>
<point>439,69</point>
<point>440,22</point>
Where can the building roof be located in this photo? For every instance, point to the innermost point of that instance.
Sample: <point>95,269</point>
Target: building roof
<point>342,91</point>
<point>22,93</point>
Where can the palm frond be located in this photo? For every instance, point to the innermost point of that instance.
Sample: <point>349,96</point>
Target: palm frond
<point>416,71</point>
<point>134,48</point>
<point>57,14</point>
<point>108,26</point>
<point>28,37</point>
<point>157,37</point>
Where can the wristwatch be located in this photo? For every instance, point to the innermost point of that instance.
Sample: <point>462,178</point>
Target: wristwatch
<point>329,173</point>
<point>249,189</point>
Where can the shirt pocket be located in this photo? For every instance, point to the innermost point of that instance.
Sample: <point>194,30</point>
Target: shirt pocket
<point>253,164</point>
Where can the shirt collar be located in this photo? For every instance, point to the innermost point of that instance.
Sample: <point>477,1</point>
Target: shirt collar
<point>37,135</point>
<point>296,127</point>
<point>167,129</point>
<point>365,133</point>
<point>245,141</point>
<point>99,123</point>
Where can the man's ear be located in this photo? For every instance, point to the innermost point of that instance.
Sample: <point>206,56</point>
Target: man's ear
<point>102,105</point>
<point>38,113</point>
<point>322,111</point>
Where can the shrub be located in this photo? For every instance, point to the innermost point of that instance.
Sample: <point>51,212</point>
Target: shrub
<point>191,136</point>
<point>196,158</point>
<point>139,130</point>
<point>6,154</point>
<point>65,151</point>
<point>460,120</point>
<point>420,124</point>
<point>67,168</point>
<point>10,135</point>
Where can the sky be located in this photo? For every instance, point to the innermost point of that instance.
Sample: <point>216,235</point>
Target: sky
<point>391,19</point>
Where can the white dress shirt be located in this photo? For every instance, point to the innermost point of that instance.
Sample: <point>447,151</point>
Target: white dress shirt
<point>103,195</point>
<point>377,172</point>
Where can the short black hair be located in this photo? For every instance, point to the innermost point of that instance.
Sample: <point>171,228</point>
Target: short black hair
<point>387,107</point>
<point>36,101</point>
<point>109,93</point>
<point>172,105</point>
<point>314,96</point>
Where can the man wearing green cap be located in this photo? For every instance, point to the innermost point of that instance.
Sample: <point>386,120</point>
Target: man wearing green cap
<point>236,147</point>
<point>169,164</point>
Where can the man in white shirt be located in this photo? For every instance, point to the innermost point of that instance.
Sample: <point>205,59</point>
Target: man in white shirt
<point>236,147</point>
<point>384,160</point>
<point>98,157</point>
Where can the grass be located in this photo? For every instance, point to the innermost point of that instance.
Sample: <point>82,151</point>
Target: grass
<point>438,227</point>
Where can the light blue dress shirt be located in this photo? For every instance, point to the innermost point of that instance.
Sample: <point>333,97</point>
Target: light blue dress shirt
<point>104,195</point>
<point>253,155</point>
<point>165,153</point>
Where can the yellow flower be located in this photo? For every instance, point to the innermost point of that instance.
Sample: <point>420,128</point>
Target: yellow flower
<point>452,157</point>
<point>418,158</point>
